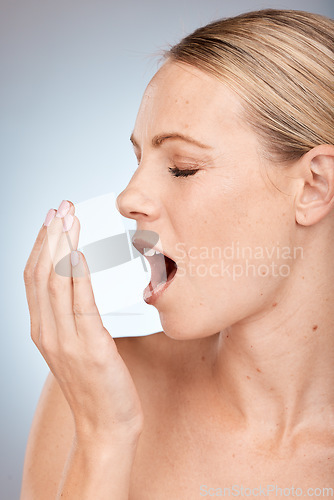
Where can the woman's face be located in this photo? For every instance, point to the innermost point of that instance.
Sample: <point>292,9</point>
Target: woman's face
<point>226,225</point>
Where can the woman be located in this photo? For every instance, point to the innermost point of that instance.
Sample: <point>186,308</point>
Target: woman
<point>234,141</point>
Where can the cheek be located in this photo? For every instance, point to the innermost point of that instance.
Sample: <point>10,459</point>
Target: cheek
<point>230,221</point>
<point>236,263</point>
<point>243,245</point>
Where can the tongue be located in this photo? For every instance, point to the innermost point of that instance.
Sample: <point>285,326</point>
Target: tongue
<point>159,272</point>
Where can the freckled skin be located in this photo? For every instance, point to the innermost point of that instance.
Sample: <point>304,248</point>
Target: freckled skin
<point>263,377</point>
<point>212,208</point>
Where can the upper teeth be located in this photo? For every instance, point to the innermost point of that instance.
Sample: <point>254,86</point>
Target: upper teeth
<point>150,251</point>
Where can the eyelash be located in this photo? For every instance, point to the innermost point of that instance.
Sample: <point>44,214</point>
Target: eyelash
<point>176,172</point>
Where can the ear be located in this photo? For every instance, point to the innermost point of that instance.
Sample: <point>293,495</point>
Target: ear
<point>315,197</point>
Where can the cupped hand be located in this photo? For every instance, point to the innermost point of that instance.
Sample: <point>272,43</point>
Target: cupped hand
<point>68,331</point>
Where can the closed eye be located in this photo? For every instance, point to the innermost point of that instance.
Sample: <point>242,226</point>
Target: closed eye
<point>176,172</point>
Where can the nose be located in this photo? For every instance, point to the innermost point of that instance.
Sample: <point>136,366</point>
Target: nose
<point>134,203</point>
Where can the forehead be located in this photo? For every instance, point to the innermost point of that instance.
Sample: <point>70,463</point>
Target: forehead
<point>185,99</point>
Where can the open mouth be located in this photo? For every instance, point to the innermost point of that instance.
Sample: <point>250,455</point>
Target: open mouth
<point>163,268</point>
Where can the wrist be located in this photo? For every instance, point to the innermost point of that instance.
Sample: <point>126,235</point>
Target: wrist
<point>103,441</point>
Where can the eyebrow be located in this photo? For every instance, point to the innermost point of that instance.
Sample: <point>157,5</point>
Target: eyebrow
<point>159,139</point>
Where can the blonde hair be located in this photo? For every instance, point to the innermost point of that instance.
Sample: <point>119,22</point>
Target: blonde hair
<point>281,64</point>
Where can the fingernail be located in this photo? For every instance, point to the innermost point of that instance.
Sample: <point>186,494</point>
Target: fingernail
<point>67,222</point>
<point>49,216</point>
<point>74,258</point>
<point>63,208</point>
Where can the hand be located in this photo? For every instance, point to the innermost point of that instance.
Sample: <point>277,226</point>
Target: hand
<point>68,331</point>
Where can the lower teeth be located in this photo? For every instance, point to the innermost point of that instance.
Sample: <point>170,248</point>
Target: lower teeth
<point>148,292</point>
<point>156,287</point>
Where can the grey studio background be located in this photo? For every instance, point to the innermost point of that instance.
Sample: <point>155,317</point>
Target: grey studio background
<point>72,76</point>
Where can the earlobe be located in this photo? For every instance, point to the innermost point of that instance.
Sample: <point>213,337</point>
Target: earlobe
<point>316,196</point>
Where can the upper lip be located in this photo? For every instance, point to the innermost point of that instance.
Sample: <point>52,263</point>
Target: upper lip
<point>140,244</point>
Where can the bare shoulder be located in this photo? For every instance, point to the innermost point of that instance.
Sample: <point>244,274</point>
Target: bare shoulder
<point>52,430</point>
<point>150,360</point>
<point>50,438</point>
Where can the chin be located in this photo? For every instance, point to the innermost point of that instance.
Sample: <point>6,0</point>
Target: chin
<point>185,328</point>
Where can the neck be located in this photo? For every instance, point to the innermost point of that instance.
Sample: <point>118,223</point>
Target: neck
<point>276,371</point>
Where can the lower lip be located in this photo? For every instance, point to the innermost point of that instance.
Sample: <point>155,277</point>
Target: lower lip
<point>152,296</point>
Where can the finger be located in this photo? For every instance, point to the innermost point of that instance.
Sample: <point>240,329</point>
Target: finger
<point>31,262</point>
<point>87,317</point>
<point>42,273</point>
<point>60,281</point>
<point>29,275</point>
